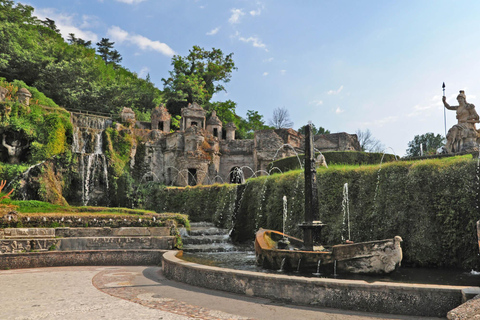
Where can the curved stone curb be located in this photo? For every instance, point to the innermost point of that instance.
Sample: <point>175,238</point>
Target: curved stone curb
<point>81,258</point>
<point>379,297</point>
<point>120,284</point>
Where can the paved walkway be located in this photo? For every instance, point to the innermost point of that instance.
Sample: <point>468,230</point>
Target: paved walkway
<point>137,293</point>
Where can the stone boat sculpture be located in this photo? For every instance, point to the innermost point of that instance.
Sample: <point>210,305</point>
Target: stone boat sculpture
<point>276,250</point>
<point>372,257</point>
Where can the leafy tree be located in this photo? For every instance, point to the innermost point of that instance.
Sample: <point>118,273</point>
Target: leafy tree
<point>368,143</point>
<point>315,131</point>
<point>108,55</point>
<point>280,119</point>
<point>73,40</point>
<point>429,142</point>
<point>196,77</point>
<point>50,24</point>
<point>253,122</point>
<point>225,110</point>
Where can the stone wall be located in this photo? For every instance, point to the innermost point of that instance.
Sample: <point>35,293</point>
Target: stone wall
<point>341,141</point>
<point>81,258</point>
<point>394,298</point>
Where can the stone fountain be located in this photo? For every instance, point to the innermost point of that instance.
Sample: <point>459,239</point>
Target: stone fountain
<point>278,251</point>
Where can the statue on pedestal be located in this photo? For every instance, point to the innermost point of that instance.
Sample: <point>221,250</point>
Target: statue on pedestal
<point>462,136</point>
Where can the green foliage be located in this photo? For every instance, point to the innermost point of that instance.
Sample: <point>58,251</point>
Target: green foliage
<point>429,142</point>
<point>71,74</point>
<point>225,110</point>
<point>253,122</point>
<point>196,77</point>
<point>108,55</point>
<point>335,157</point>
<point>315,131</point>
<point>216,202</point>
<point>42,124</point>
<point>431,204</point>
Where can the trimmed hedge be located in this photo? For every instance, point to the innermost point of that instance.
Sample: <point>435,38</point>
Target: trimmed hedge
<point>335,157</point>
<point>431,204</point>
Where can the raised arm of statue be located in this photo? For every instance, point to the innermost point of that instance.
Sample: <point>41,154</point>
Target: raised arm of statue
<point>11,150</point>
<point>444,99</point>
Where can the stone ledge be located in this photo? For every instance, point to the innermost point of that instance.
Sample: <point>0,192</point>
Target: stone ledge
<point>81,258</point>
<point>380,297</point>
<point>108,232</point>
<point>468,310</point>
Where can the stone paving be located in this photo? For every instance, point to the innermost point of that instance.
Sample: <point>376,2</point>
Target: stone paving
<point>137,293</point>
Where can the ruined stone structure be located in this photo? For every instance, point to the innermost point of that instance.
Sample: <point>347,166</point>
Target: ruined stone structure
<point>204,151</point>
<point>24,96</point>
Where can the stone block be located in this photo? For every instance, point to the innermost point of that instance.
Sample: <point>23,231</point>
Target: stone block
<point>27,233</point>
<point>114,243</point>
<point>24,245</point>
<point>470,293</point>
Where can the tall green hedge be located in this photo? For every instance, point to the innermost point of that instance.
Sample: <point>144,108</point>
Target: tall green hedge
<point>431,204</point>
<point>335,157</point>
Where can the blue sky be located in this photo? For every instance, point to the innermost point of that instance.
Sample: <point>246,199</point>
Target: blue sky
<point>344,65</point>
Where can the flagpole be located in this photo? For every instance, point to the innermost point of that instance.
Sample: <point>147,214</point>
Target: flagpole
<point>444,112</point>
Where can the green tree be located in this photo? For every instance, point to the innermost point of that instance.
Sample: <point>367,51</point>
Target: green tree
<point>225,110</point>
<point>50,24</point>
<point>429,142</point>
<point>74,40</point>
<point>196,77</point>
<point>104,48</point>
<point>320,130</point>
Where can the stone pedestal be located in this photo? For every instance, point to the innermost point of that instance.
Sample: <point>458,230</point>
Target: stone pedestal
<point>312,232</point>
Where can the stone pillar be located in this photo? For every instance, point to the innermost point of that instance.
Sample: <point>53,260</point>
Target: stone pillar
<point>230,127</point>
<point>311,227</point>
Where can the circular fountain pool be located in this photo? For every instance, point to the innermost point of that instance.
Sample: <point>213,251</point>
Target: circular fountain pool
<point>245,260</point>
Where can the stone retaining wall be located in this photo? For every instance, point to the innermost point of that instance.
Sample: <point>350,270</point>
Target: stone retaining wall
<point>112,243</point>
<point>81,258</point>
<point>380,297</point>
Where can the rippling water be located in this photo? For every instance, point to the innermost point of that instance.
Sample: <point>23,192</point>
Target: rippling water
<point>246,261</point>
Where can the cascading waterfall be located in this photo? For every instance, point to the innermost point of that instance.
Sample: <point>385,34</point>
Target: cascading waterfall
<point>88,144</point>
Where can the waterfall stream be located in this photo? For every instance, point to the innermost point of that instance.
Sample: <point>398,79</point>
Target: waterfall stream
<point>87,143</point>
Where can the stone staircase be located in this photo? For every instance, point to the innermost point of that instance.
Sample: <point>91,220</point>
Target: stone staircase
<point>205,237</point>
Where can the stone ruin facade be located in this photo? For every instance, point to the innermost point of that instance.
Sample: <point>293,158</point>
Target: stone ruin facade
<point>204,151</point>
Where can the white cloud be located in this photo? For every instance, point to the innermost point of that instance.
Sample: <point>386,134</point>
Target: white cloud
<point>256,42</point>
<point>213,31</point>
<point>119,35</point>
<point>338,110</point>
<point>265,74</point>
<point>67,24</point>
<point>131,1</point>
<point>434,104</point>
<point>335,91</point>
<point>236,14</point>
<point>316,102</point>
<point>268,60</point>
<point>256,12</point>
<point>143,72</point>
<point>282,72</point>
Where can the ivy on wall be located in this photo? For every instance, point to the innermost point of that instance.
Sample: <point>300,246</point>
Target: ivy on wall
<point>431,204</point>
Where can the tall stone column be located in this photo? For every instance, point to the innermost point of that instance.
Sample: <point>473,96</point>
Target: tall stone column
<point>311,227</point>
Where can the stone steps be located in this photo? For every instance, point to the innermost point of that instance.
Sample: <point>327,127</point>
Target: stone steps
<point>205,237</point>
